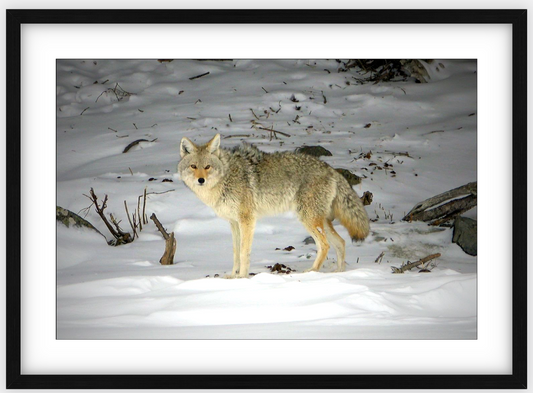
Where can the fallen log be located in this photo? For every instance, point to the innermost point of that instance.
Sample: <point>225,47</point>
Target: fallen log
<point>68,218</point>
<point>444,207</point>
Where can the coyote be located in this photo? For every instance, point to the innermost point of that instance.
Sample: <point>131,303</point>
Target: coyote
<point>245,183</point>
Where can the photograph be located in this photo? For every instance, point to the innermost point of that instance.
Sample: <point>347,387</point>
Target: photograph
<point>242,203</point>
<point>266,199</point>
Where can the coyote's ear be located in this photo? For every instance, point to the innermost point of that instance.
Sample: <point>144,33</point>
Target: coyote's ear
<point>213,144</point>
<point>186,147</point>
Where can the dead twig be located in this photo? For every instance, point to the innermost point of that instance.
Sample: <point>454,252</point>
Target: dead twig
<point>409,265</point>
<point>120,236</point>
<point>118,91</point>
<point>254,114</point>
<point>405,154</point>
<point>274,131</point>
<point>100,95</point>
<point>115,223</point>
<point>85,211</point>
<point>139,212</point>
<point>158,193</point>
<point>199,76</point>
<point>135,223</point>
<point>145,218</point>
<point>237,136</point>
<point>128,215</point>
<point>135,143</point>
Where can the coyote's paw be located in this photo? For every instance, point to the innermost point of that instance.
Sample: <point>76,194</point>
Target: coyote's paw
<point>311,270</point>
<point>341,267</point>
<point>234,274</point>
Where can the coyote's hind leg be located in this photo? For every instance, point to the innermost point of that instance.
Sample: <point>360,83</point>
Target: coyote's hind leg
<point>338,244</point>
<point>316,230</point>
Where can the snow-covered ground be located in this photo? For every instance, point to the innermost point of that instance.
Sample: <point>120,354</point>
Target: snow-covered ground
<point>123,292</point>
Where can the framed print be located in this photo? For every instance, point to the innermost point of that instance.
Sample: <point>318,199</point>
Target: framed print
<point>178,133</point>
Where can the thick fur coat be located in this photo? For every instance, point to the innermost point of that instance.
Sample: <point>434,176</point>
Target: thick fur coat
<point>244,184</point>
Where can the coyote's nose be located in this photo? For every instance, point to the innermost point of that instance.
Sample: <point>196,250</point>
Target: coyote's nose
<point>201,180</point>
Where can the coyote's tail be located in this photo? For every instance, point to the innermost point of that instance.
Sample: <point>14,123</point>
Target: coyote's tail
<point>349,210</point>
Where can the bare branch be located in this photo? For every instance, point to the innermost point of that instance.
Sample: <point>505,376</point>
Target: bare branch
<point>120,237</point>
<point>145,218</point>
<point>199,76</point>
<point>237,136</point>
<point>129,219</point>
<point>170,243</point>
<point>274,131</point>
<point>410,265</point>
<point>139,212</point>
<point>153,217</point>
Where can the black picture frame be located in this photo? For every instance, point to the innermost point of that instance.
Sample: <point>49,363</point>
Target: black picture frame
<point>516,18</point>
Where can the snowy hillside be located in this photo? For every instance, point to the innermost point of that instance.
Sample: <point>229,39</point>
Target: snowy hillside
<point>426,133</point>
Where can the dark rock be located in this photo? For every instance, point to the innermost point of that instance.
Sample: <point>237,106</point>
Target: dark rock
<point>367,198</point>
<point>465,234</point>
<point>309,240</point>
<point>352,179</point>
<point>280,268</point>
<point>315,151</point>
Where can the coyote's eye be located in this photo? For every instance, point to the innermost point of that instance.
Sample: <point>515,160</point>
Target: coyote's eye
<point>207,167</point>
<point>193,166</point>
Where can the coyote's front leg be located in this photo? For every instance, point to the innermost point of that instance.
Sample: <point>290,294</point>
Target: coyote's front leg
<point>246,229</point>
<point>236,235</point>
